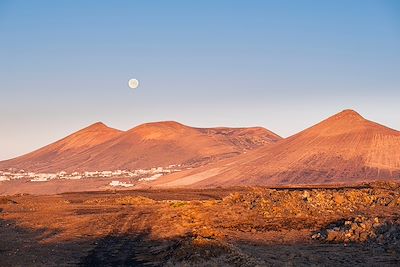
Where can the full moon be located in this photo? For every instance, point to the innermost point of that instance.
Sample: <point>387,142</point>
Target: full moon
<point>133,83</point>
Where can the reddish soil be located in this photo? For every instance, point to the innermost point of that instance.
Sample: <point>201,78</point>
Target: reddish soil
<point>218,227</point>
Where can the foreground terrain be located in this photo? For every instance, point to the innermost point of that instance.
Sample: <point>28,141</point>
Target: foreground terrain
<point>233,227</point>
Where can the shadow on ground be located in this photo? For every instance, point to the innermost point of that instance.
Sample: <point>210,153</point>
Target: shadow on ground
<point>24,247</point>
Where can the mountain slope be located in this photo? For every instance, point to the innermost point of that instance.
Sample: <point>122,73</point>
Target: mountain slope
<point>145,146</point>
<point>74,144</point>
<point>345,148</point>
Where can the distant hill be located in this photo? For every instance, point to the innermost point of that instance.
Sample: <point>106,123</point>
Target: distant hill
<point>99,147</point>
<point>345,148</point>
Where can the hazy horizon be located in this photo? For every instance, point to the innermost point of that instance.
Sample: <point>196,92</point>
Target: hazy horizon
<point>282,65</point>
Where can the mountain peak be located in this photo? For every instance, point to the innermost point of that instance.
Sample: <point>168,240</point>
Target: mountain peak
<point>160,125</point>
<point>98,124</point>
<point>344,122</point>
<point>165,123</point>
<point>93,127</point>
<point>347,117</point>
<point>160,130</point>
<point>349,113</point>
<point>97,129</point>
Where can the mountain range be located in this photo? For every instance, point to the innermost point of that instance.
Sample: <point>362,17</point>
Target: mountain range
<point>343,149</point>
<point>157,144</point>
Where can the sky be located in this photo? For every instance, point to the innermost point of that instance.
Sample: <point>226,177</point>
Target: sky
<point>283,65</point>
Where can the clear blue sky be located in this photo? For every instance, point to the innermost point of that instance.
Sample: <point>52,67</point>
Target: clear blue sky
<point>283,65</point>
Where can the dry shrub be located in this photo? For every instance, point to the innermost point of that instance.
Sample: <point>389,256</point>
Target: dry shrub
<point>128,200</point>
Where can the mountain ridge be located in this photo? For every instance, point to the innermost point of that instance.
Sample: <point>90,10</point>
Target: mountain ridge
<point>99,147</point>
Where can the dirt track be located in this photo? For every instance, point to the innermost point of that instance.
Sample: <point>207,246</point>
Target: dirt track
<point>235,227</point>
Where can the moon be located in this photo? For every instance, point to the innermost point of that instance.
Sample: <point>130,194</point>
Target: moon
<point>133,83</point>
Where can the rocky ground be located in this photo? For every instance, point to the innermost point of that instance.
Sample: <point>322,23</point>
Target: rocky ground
<point>214,227</point>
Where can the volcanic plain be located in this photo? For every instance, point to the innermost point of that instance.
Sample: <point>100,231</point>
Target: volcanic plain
<point>166,194</point>
<point>242,226</point>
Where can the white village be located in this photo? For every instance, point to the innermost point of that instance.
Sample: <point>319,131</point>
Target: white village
<point>139,175</point>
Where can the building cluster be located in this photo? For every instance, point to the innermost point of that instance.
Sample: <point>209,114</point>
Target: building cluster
<point>140,174</point>
<point>122,184</point>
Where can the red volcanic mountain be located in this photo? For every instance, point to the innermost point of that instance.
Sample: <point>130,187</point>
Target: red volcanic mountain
<point>63,149</point>
<point>99,147</point>
<point>345,148</point>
